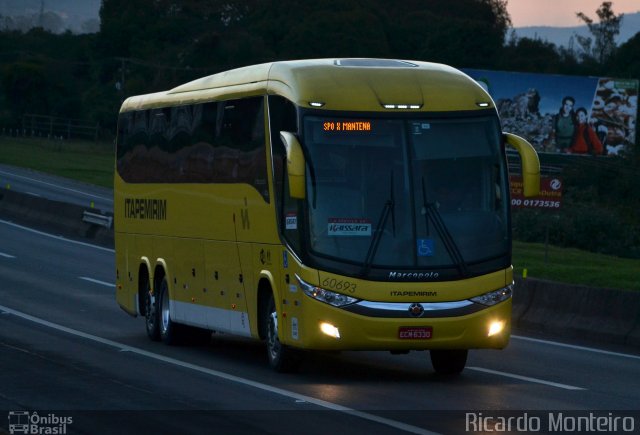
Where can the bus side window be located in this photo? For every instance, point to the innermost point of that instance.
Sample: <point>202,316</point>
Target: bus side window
<point>283,117</point>
<point>123,144</point>
<point>240,143</point>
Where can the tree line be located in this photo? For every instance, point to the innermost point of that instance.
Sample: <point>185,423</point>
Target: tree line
<point>145,46</point>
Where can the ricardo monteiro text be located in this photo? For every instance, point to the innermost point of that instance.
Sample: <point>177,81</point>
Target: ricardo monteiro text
<point>145,208</point>
<point>577,421</point>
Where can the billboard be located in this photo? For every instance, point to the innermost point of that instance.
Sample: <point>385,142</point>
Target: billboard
<point>565,114</point>
<point>550,196</point>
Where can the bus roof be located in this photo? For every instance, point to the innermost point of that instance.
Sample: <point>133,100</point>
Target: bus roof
<point>335,84</point>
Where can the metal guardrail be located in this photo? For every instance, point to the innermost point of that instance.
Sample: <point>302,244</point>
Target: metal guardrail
<point>97,219</point>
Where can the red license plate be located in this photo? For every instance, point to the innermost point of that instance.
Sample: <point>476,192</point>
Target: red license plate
<point>415,332</point>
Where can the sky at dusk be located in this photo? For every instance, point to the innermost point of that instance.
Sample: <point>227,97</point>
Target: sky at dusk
<point>561,13</point>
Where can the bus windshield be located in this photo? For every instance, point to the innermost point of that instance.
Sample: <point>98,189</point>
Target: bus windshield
<point>406,193</point>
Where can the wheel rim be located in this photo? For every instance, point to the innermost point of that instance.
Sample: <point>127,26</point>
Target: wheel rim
<point>150,311</point>
<point>165,312</point>
<point>272,336</point>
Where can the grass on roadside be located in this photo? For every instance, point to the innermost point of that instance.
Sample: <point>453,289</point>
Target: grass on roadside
<point>85,161</point>
<point>575,266</point>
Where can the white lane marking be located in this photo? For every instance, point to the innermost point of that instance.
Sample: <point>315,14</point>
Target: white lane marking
<point>2,254</point>
<point>57,186</point>
<point>226,376</point>
<point>572,346</point>
<point>517,337</point>
<point>31,230</point>
<point>33,194</point>
<point>96,281</point>
<point>526,378</point>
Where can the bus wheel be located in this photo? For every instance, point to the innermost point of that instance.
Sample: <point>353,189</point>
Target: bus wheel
<point>169,331</point>
<point>282,358</point>
<point>449,362</point>
<point>151,316</point>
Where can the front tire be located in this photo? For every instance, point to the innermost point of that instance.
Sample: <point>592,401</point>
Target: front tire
<point>449,362</point>
<point>282,358</point>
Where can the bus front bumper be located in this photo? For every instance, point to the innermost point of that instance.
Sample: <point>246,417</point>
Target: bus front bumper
<point>319,326</point>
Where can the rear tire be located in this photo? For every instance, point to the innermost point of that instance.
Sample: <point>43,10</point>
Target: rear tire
<point>282,358</point>
<point>169,331</point>
<point>151,314</point>
<point>449,362</point>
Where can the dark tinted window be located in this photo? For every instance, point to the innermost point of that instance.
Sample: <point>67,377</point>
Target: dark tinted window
<point>217,142</point>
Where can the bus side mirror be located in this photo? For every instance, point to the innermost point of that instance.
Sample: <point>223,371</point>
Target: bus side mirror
<point>530,164</point>
<point>295,164</point>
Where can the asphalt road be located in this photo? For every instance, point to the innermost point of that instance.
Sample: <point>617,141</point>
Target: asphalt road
<point>55,188</point>
<point>67,350</point>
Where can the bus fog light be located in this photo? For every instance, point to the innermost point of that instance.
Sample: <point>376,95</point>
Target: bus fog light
<point>330,330</point>
<point>495,328</point>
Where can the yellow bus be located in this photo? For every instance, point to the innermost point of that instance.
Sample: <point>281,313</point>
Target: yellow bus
<point>330,204</point>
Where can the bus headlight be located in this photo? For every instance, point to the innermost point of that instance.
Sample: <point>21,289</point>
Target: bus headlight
<point>326,296</point>
<point>494,297</point>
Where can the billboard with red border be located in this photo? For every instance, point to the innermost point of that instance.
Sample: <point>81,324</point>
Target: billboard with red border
<point>550,193</point>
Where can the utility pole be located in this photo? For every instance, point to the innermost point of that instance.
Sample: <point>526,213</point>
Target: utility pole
<point>41,17</point>
<point>122,67</point>
<point>120,84</point>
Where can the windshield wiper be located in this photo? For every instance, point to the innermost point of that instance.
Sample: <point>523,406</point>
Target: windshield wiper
<point>431,212</point>
<point>387,210</point>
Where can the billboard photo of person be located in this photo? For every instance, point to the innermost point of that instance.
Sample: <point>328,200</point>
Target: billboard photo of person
<point>564,125</point>
<point>528,106</point>
<point>585,139</point>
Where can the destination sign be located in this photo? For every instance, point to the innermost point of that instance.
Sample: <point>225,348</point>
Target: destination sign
<point>349,126</point>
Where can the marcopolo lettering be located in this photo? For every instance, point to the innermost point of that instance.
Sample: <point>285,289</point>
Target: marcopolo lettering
<point>413,275</point>
<point>145,208</point>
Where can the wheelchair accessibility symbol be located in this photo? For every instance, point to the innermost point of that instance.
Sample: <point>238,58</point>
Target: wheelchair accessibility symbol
<point>425,247</point>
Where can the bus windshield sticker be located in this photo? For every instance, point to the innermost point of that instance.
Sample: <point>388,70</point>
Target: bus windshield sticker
<point>349,227</point>
<point>291,221</point>
<point>418,127</point>
<point>425,247</point>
